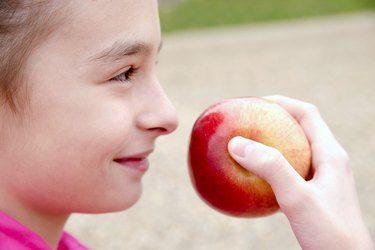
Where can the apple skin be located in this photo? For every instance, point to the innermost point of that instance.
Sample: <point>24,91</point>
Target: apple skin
<point>219,180</point>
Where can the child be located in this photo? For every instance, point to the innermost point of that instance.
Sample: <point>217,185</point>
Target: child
<point>81,109</point>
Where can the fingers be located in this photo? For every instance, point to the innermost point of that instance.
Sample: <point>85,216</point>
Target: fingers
<point>307,115</point>
<point>325,148</point>
<point>267,163</point>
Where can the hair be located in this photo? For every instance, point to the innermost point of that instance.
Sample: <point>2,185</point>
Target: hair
<point>23,24</point>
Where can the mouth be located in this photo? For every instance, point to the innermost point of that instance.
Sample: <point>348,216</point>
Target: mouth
<point>138,162</point>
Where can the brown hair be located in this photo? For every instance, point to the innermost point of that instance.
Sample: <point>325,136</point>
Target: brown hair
<point>23,23</point>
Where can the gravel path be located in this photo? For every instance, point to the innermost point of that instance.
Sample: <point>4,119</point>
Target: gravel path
<point>327,61</point>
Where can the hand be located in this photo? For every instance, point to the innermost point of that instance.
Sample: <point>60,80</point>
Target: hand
<point>323,212</point>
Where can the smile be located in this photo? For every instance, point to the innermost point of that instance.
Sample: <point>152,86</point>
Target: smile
<point>139,164</point>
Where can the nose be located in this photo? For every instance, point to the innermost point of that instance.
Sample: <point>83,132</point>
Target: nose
<point>158,114</point>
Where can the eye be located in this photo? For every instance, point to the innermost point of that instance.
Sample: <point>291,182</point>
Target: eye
<point>125,76</point>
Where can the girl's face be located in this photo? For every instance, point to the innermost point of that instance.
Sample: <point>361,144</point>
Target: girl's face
<point>96,108</point>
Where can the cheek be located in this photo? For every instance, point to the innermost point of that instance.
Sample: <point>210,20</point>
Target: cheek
<point>88,139</point>
<point>68,153</point>
<point>72,169</point>
<point>84,122</point>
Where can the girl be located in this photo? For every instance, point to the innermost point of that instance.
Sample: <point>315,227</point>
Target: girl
<point>81,109</point>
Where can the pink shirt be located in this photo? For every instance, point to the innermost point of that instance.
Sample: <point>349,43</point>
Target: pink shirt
<point>15,236</point>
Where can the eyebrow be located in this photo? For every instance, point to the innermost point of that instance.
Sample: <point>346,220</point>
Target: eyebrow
<point>121,49</point>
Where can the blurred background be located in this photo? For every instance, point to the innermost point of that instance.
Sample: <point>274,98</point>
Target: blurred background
<point>177,15</point>
<point>320,51</point>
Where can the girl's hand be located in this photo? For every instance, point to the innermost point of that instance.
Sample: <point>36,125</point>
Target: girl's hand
<point>323,212</point>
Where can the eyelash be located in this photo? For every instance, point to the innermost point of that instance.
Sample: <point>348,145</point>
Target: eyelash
<point>125,76</point>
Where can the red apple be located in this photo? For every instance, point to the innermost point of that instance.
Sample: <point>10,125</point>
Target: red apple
<point>219,180</point>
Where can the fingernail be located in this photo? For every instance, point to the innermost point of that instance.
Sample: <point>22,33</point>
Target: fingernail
<point>238,145</point>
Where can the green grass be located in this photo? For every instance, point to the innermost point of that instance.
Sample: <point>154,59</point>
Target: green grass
<point>193,14</point>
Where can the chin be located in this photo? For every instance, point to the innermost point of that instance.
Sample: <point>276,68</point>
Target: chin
<point>127,201</point>
<point>116,201</point>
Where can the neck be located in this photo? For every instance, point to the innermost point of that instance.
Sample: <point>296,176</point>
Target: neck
<point>49,227</point>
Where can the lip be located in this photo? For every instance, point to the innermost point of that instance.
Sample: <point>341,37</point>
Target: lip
<point>138,162</point>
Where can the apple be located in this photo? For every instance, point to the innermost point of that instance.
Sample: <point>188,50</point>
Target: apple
<point>219,180</point>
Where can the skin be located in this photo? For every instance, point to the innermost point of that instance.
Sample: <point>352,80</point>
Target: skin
<point>323,212</point>
<point>94,99</point>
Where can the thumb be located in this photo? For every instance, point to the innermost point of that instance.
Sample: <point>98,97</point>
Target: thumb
<point>269,164</point>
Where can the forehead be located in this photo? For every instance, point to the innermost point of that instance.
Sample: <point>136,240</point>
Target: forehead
<point>91,25</point>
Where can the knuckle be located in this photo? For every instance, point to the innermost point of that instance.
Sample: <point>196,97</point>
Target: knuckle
<point>311,108</point>
<point>337,157</point>
<point>343,159</point>
<point>268,162</point>
<point>273,156</point>
<point>272,160</point>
